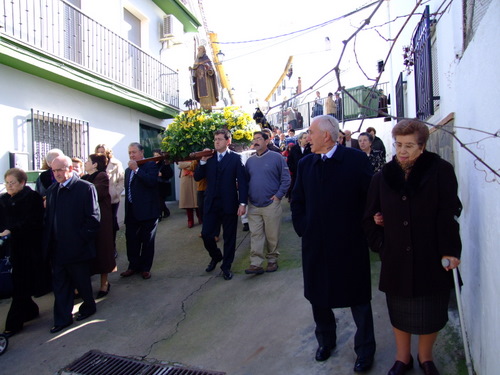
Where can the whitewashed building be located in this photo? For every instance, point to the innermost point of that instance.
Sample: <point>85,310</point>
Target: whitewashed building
<point>77,73</point>
<point>451,79</point>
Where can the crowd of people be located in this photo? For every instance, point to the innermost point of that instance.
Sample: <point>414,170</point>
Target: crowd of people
<point>338,188</point>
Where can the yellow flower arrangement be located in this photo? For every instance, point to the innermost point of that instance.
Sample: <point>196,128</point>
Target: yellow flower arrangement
<point>193,130</point>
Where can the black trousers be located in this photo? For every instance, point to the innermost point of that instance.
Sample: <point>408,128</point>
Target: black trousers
<point>211,225</point>
<point>65,278</point>
<point>140,237</point>
<point>364,339</point>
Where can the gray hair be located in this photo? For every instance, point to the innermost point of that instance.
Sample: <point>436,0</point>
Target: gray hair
<point>329,124</point>
<point>52,154</point>
<point>136,144</point>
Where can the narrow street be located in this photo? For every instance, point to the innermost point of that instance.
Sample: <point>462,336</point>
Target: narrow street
<point>183,316</point>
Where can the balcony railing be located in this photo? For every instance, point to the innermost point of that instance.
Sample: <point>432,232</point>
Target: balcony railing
<point>59,29</point>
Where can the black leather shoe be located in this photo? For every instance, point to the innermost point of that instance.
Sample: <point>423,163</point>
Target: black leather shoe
<point>228,275</point>
<point>429,367</point>
<point>56,329</point>
<point>81,316</point>
<point>211,266</point>
<point>323,353</point>
<point>400,368</point>
<point>103,293</point>
<point>363,364</point>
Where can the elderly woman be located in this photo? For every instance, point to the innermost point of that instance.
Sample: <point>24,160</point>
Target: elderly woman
<point>410,221</point>
<point>104,262</point>
<point>116,174</point>
<point>21,216</point>
<point>365,141</point>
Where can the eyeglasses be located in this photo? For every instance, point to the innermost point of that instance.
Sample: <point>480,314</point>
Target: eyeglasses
<point>406,146</point>
<point>12,183</point>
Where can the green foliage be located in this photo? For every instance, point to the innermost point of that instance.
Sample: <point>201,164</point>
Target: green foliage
<point>193,130</point>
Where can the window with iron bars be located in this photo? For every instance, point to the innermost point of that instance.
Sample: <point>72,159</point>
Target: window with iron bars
<point>400,96</point>
<point>426,100</point>
<point>56,131</point>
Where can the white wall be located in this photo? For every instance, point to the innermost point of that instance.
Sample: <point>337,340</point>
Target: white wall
<point>110,123</point>
<point>477,101</point>
<point>469,85</point>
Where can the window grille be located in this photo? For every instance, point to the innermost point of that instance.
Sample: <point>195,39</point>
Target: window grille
<point>423,68</point>
<point>400,97</point>
<point>55,131</point>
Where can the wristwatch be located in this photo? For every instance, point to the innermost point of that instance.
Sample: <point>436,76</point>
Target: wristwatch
<point>243,204</point>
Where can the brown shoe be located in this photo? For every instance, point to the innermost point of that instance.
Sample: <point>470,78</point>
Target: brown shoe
<point>146,275</point>
<point>254,270</point>
<point>272,267</point>
<point>127,273</point>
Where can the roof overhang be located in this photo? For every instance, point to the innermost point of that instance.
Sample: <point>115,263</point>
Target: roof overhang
<point>180,12</point>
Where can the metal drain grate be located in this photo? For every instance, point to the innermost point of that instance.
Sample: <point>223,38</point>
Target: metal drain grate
<point>97,363</point>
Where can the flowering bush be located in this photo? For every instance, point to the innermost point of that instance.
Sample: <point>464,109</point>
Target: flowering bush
<point>194,130</point>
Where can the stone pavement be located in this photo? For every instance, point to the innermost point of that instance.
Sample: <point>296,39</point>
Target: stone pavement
<point>246,326</point>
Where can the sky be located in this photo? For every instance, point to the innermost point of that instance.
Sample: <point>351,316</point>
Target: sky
<point>258,65</point>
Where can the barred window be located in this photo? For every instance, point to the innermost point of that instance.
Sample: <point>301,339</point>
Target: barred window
<point>400,97</point>
<point>55,131</point>
<point>424,90</point>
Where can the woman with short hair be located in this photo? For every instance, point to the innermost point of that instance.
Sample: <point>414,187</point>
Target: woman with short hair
<point>104,262</point>
<point>21,218</point>
<point>365,141</point>
<point>410,221</point>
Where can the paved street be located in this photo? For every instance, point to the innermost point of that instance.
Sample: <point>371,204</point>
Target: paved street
<point>247,326</point>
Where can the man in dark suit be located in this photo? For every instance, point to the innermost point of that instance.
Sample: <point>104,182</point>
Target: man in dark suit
<point>349,141</point>
<point>141,212</point>
<point>327,206</point>
<point>71,224</point>
<point>225,199</point>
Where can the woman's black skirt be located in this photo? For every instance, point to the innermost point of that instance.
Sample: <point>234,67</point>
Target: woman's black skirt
<point>419,315</point>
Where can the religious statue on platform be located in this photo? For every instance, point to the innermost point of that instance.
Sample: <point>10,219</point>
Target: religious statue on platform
<point>205,89</point>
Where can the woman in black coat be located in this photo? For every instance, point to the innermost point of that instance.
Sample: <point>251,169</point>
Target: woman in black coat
<point>411,221</point>
<point>21,215</point>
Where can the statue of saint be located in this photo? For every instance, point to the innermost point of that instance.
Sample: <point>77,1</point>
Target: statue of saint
<point>205,88</point>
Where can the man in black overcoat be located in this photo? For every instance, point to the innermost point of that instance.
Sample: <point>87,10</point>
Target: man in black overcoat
<point>327,206</point>
<point>72,220</point>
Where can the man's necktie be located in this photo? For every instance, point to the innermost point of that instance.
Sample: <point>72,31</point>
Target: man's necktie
<point>129,195</point>
<point>324,157</point>
<point>220,157</point>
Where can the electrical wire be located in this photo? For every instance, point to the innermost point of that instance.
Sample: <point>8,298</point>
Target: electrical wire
<point>308,29</point>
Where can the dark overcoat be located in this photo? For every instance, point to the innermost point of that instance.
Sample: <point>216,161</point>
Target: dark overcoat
<point>420,225</point>
<point>104,262</point>
<point>78,217</point>
<point>327,205</point>
<point>22,214</point>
